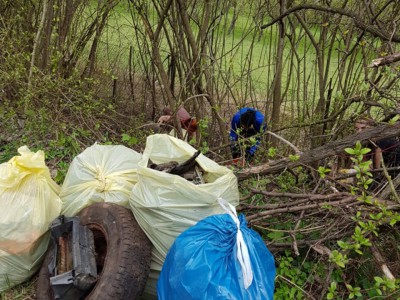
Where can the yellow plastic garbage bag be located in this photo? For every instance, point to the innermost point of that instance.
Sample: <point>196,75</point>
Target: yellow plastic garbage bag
<point>165,205</point>
<point>29,202</point>
<point>101,173</point>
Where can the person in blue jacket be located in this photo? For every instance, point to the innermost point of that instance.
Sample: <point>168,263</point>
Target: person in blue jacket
<point>247,122</point>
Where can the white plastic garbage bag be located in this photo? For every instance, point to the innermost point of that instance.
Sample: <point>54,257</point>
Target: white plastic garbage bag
<point>165,205</point>
<point>101,173</point>
<point>29,202</point>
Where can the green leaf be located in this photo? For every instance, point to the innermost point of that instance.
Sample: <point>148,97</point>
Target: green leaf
<point>275,235</point>
<point>272,152</point>
<point>365,151</point>
<point>342,244</point>
<point>353,160</point>
<point>133,141</point>
<point>126,137</point>
<point>394,119</point>
<point>340,264</point>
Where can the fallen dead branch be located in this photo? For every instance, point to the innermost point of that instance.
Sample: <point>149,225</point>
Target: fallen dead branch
<point>306,216</point>
<point>314,155</point>
<point>383,61</point>
<point>381,261</point>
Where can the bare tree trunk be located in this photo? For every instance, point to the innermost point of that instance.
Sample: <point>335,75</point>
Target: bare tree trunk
<point>43,62</point>
<point>131,75</point>
<point>103,10</point>
<point>276,85</point>
<point>196,62</point>
<point>234,18</point>
<point>36,45</point>
<point>65,13</point>
<point>36,42</point>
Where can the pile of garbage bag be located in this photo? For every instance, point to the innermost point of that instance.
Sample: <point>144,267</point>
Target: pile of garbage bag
<point>29,202</point>
<point>171,188</point>
<point>230,258</point>
<point>101,173</point>
<point>165,204</point>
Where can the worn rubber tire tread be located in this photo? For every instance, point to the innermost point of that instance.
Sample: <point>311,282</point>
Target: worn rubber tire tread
<point>127,264</point>
<point>43,290</point>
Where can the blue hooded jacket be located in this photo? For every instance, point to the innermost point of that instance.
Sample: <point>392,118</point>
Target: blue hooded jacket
<point>258,127</point>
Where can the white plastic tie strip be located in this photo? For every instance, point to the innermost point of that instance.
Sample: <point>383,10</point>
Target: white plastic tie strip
<point>242,251</point>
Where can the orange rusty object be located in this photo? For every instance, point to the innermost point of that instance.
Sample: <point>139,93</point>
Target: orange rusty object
<point>64,254</point>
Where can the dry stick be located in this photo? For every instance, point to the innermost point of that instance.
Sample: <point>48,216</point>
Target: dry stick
<point>328,279</point>
<point>293,195</point>
<point>304,198</point>
<point>312,197</point>
<point>308,243</point>
<point>389,179</point>
<point>387,190</point>
<point>326,235</point>
<point>295,285</point>
<point>244,198</point>
<point>258,216</point>
<point>341,229</point>
<point>379,258</point>
<point>387,60</point>
<point>302,230</point>
<point>295,248</point>
<point>321,249</point>
<point>296,150</point>
<point>275,206</point>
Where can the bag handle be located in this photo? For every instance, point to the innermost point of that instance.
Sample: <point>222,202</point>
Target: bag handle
<point>242,250</point>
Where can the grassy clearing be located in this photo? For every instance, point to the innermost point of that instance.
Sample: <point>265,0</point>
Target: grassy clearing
<point>245,57</point>
<point>241,52</point>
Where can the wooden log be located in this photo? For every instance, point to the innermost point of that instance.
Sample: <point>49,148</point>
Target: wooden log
<point>387,60</point>
<point>314,155</point>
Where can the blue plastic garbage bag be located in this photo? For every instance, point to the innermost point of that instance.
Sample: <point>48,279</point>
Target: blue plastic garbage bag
<point>203,263</point>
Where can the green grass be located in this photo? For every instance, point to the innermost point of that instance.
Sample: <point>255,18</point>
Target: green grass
<point>24,291</point>
<point>247,61</point>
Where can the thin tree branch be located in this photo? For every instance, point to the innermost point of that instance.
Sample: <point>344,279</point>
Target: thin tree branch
<point>356,18</point>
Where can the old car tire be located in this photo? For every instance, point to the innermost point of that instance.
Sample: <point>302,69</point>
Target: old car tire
<point>123,254</point>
